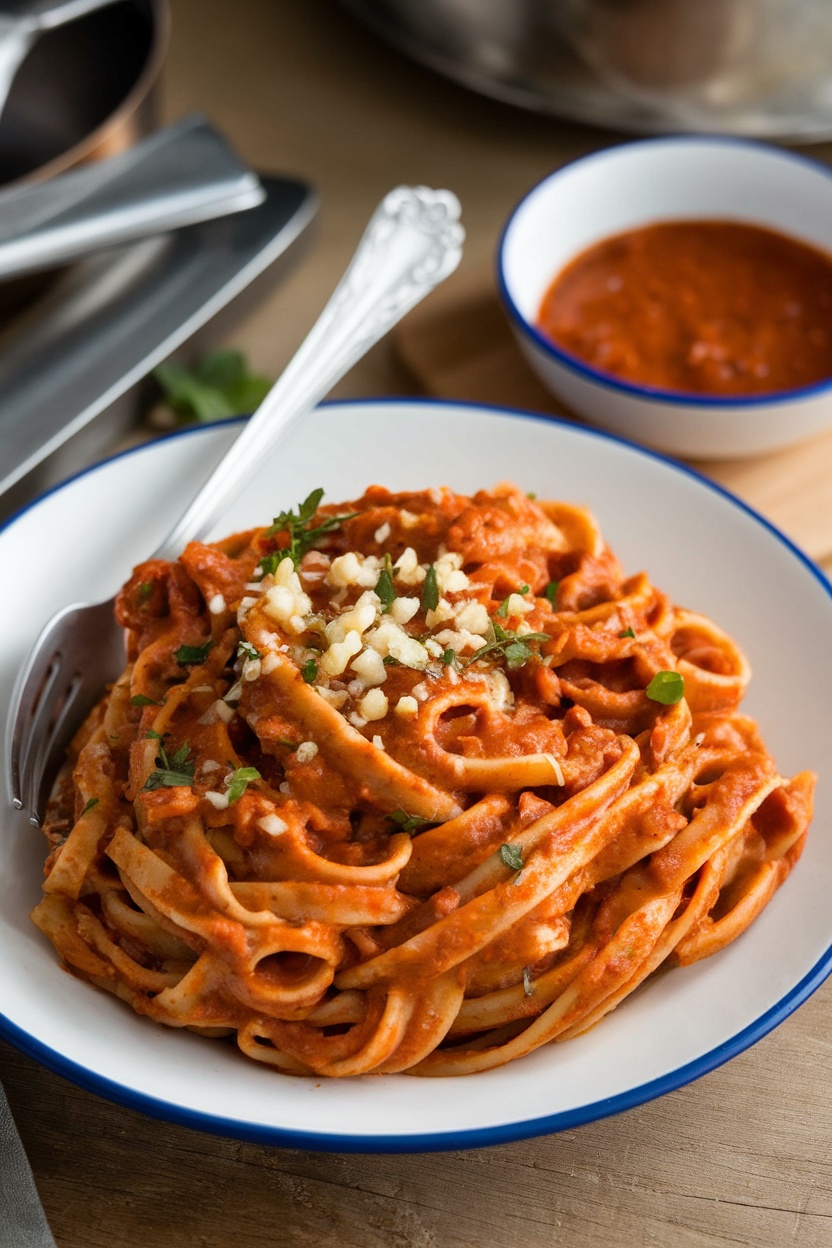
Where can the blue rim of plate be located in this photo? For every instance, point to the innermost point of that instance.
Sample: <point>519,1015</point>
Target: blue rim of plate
<point>650,394</point>
<point>478,1137</point>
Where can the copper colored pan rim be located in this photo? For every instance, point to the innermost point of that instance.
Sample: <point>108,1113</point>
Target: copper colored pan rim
<point>116,132</point>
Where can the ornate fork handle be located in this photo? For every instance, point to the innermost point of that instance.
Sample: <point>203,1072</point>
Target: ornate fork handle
<point>412,242</point>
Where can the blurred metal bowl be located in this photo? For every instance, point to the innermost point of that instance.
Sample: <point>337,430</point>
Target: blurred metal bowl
<point>86,91</point>
<point>758,68</point>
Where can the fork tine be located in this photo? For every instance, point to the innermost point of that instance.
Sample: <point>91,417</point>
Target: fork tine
<point>76,654</point>
<point>52,732</point>
<point>33,694</point>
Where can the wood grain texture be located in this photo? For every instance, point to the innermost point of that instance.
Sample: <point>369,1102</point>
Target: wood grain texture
<point>741,1157</point>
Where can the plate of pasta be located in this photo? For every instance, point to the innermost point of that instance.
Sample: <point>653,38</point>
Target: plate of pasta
<point>462,788</point>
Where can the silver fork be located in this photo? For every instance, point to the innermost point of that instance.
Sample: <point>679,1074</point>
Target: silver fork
<point>412,243</point>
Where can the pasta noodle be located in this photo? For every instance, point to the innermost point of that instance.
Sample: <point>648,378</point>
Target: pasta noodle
<point>419,783</point>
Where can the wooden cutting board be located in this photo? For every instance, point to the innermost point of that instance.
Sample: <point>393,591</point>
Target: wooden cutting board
<point>458,345</point>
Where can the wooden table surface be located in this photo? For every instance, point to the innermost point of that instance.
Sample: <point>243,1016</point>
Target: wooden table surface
<point>741,1157</point>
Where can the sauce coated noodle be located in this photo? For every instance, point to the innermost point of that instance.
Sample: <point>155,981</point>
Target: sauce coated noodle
<point>419,783</point>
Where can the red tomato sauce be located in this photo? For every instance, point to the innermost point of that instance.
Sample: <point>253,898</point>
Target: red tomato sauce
<point>708,307</point>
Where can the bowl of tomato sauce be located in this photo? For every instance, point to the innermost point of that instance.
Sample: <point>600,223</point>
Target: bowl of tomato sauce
<point>679,292</point>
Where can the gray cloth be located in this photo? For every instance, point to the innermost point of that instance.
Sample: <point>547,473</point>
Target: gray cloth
<point>22,1220</point>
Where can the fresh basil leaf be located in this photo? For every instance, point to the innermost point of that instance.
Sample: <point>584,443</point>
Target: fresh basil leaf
<point>218,386</point>
<point>667,688</point>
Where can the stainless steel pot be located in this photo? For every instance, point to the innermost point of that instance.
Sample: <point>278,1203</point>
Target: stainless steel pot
<point>752,67</point>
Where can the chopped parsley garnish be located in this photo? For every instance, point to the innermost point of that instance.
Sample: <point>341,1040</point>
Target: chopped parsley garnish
<point>309,671</point>
<point>449,657</point>
<point>430,590</point>
<point>626,632</point>
<point>240,781</point>
<point>515,650</point>
<point>390,661</point>
<point>171,771</point>
<point>667,688</point>
<point>193,654</point>
<point>502,610</point>
<point>268,563</point>
<point>512,856</point>
<point>385,588</point>
<point>550,591</point>
<point>246,650</point>
<point>92,802</point>
<point>528,986</point>
<point>297,524</point>
<point>408,823</point>
<point>144,590</point>
<point>141,699</point>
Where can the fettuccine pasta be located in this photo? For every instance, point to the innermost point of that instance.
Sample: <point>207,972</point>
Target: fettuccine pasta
<point>417,783</point>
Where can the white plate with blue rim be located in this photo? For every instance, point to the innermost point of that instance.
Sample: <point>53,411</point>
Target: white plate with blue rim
<point>709,551</point>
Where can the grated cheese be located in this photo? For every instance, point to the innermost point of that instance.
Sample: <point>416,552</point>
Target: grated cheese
<point>273,825</point>
<point>373,705</point>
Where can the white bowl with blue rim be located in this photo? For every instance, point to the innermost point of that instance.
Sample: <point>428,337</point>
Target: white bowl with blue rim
<point>639,184</point>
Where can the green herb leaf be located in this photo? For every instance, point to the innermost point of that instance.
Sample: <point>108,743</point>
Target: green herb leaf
<point>515,650</point>
<point>296,523</point>
<point>178,769</point>
<point>502,610</point>
<point>512,856</point>
<point>153,734</point>
<point>90,804</point>
<point>667,688</point>
<point>386,590</point>
<point>430,590</point>
<point>268,564</point>
<point>193,654</point>
<point>626,632</point>
<point>309,671</point>
<point>390,661</point>
<point>245,650</point>
<point>141,699</point>
<point>144,590</point>
<point>408,823</point>
<point>218,386</point>
<point>240,781</point>
<point>550,591</point>
<point>163,778</point>
<point>449,657</point>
